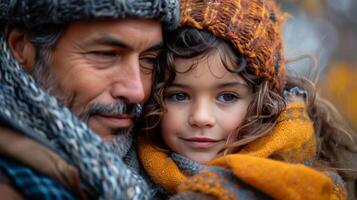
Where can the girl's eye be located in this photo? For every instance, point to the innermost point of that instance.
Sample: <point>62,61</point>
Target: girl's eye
<point>227,98</point>
<point>178,96</point>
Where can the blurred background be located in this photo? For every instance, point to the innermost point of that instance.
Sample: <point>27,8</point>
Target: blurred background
<point>327,31</point>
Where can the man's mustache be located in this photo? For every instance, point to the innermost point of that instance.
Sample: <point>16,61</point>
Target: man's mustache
<point>119,107</point>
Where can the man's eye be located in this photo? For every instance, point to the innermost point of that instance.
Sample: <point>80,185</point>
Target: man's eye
<point>178,96</point>
<point>147,63</point>
<point>149,59</point>
<point>227,98</point>
<point>104,53</point>
<point>103,58</point>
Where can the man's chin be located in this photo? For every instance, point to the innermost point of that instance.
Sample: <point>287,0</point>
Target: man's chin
<point>107,131</point>
<point>109,138</point>
<point>121,143</point>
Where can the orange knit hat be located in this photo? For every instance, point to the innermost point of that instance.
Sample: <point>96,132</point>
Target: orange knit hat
<point>251,26</point>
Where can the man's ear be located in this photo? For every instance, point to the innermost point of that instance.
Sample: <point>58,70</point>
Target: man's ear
<point>21,47</point>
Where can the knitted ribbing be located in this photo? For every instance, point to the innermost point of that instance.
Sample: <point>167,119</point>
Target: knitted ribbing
<point>251,26</point>
<point>35,13</point>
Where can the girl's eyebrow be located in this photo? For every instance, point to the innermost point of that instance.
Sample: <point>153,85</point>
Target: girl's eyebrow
<point>180,85</point>
<point>228,84</point>
<point>233,84</point>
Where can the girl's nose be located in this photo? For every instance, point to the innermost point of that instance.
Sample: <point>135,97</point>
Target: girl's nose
<point>202,115</point>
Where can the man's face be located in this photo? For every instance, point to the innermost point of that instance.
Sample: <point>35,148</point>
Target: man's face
<point>99,65</point>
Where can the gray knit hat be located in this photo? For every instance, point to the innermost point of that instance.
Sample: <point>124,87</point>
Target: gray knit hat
<point>37,13</point>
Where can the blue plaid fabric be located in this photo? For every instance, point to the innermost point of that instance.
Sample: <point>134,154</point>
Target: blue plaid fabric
<point>33,185</point>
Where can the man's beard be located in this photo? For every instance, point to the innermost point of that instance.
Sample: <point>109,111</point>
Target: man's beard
<point>45,78</point>
<point>119,107</point>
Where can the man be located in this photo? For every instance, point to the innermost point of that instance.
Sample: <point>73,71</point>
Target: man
<point>61,60</point>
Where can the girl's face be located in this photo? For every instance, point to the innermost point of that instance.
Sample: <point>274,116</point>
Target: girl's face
<point>204,106</point>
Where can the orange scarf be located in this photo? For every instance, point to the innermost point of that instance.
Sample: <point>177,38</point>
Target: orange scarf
<point>292,140</point>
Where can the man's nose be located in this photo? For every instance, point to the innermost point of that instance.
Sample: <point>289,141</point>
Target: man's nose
<point>128,84</point>
<point>202,115</point>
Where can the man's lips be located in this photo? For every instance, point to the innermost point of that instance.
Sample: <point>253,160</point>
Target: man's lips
<point>201,142</point>
<point>117,121</point>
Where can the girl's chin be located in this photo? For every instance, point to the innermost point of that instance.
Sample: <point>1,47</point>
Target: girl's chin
<point>202,158</point>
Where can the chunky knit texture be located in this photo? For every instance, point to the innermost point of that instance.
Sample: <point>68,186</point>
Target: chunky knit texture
<point>251,26</point>
<point>292,141</point>
<point>35,14</point>
<point>214,181</point>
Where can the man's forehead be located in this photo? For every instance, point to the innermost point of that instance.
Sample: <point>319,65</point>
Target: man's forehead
<point>123,33</point>
<point>117,41</point>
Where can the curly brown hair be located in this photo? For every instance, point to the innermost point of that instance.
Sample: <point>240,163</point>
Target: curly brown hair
<point>186,43</point>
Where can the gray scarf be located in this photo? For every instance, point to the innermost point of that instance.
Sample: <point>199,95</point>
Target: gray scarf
<point>225,178</point>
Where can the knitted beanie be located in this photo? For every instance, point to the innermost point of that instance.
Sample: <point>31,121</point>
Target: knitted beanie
<point>36,13</point>
<point>251,26</point>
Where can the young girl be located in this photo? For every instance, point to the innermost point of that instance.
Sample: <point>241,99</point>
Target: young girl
<point>220,98</point>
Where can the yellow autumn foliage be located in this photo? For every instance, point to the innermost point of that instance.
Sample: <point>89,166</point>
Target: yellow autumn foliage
<point>340,87</point>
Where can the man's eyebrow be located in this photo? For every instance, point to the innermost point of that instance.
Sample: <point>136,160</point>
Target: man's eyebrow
<point>108,40</point>
<point>157,47</point>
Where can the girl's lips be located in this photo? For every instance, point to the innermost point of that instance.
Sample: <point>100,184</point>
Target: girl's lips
<point>201,139</point>
<point>201,142</point>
